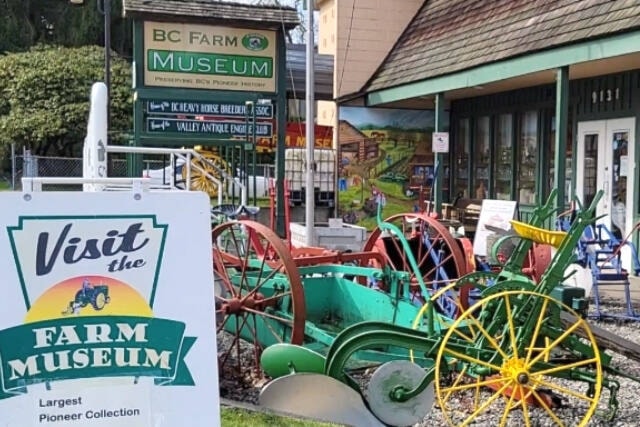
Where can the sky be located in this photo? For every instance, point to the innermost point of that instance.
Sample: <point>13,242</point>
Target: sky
<point>297,34</point>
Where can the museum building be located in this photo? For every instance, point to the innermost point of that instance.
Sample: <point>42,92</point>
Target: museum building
<point>540,94</point>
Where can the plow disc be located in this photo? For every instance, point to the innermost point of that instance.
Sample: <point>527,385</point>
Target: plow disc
<point>319,397</point>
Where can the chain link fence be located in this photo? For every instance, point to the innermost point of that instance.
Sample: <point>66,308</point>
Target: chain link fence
<point>26,165</point>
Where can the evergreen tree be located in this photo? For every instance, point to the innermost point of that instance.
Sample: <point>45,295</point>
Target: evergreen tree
<point>44,98</point>
<point>26,23</point>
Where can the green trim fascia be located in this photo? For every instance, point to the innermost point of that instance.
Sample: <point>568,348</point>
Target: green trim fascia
<point>539,61</point>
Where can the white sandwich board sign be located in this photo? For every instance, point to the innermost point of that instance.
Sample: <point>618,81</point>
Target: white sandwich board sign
<point>106,310</point>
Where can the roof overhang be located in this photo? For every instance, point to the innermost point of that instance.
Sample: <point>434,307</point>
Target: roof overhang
<point>586,59</point>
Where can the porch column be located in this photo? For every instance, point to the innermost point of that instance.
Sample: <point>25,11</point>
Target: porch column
<point>562,117</point>
<point>338,150</point>
<point>439,127</point>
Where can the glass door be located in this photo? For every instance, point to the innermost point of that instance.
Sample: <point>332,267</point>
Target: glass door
<point>605,162</point>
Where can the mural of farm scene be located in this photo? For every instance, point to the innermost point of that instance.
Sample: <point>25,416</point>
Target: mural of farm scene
<point>386,154</point>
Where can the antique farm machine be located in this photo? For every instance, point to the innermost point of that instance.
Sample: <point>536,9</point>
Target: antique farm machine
<point>489,344</point>
<point>522,354</point>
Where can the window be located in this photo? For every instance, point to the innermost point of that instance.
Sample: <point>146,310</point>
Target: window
<point>568,162</point>
<point>461,161</point>
<point>503,157</point>
<point>528,157</point>
<point>481,158</point>
<point>590,168</point>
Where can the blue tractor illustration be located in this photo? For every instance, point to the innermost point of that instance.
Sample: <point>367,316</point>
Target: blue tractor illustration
<point>95,295</point>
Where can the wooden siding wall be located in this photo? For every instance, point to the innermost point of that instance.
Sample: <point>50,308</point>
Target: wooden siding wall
<point>539,96</point>
<point>581,101</point>
<point>623,90</point>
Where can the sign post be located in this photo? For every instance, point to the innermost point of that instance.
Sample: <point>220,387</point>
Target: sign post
<point>97,327</point>
<point>205,55</point>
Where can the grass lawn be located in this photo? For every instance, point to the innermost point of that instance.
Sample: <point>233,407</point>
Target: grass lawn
<point>234,417</point>
<point>4,185</point>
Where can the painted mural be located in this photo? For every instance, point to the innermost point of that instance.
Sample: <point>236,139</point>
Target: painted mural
<point>385,154</point>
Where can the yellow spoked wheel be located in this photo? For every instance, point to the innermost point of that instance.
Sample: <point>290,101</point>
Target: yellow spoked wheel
<point>512,374</point>
<point>200,169</point>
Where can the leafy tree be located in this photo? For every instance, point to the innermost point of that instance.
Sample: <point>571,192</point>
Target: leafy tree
<point>44,98</point>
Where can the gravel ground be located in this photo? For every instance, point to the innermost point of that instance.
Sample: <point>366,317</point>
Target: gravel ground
<point>247,390</point>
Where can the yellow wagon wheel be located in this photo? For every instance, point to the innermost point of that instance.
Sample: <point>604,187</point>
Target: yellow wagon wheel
<point>519,383</point>
<point>199,170</point>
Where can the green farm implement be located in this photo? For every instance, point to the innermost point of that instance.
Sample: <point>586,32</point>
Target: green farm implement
<point>268,292</point>
<point>499,344</point>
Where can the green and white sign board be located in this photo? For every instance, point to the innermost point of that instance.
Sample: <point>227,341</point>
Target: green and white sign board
<point>106,310</point>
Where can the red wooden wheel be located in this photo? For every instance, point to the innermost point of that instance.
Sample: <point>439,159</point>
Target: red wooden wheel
<point>259,295</point>
<point>438,254</point>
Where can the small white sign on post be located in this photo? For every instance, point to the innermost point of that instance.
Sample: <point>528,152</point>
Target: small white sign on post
<point>105,318</point>
<point>440,142</point>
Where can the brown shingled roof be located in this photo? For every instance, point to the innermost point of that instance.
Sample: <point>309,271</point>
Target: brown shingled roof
<point>453,35</point>
<point>213,12</point>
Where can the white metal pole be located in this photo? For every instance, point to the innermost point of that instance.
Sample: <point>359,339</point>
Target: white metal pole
<point>95,143</point>
<point>13,165</point>
<point>310,126</point>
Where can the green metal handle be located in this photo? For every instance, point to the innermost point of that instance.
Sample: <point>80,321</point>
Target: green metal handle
<point>394,230</point>
<point>495,249</point>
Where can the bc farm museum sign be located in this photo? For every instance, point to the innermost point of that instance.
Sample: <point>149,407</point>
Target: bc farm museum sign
<point>209,57</point>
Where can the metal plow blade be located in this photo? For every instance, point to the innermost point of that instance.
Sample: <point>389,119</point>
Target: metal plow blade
<point>317,397</point>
